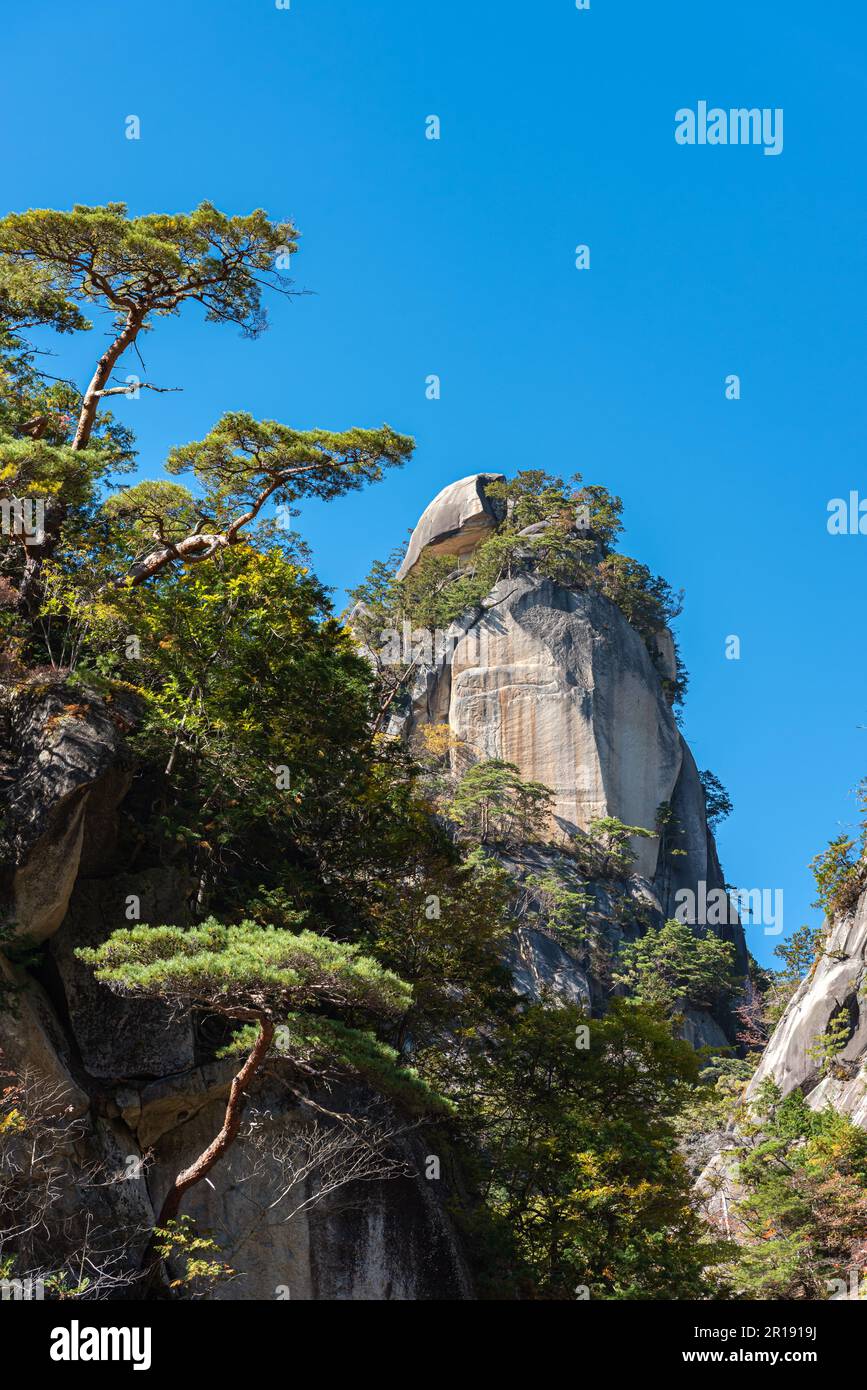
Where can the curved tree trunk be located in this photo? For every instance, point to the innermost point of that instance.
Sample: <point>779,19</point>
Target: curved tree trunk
<point>218,1146</point>
<point>104,368</point>
<point>30,588</point>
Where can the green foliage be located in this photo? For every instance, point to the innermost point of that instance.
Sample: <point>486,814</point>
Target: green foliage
<point>803,1219</point>
<point>828,1044</point>
<point>100,255</point>
<point>241,458</point>
<point>494,803</point>
<point>577,1157</point>
<point>717,1097</point>
<point>718,803</point>
<point>325,1046</point>
<point>800,952</point>
<point>444,935</point>
<point>604,849</point>
<point>201,1273</point>
<point>243,968</point>
<point>558,905</point>
<point>774,988</point>
<point>259,778</point>
<point>839,873</point>
<point>646,601</point>
<point>673,967</point>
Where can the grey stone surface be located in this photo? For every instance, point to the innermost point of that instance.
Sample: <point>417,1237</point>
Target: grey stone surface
<point>455,521</point>
<point>558,683</point>
<point>540,966</point>
<point>121,1037</point>
<point>375,1241</point>
<point>72,770</point>
<point>836,983</point>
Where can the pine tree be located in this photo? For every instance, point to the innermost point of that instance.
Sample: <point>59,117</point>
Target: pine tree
<point>250,975</point>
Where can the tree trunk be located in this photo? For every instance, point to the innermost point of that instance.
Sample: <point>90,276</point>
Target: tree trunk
<point>30,589</point>
<point>104,368</point>
<point>201,1166</point>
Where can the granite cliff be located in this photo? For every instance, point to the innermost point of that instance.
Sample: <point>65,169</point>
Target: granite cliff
<point>540,674</point>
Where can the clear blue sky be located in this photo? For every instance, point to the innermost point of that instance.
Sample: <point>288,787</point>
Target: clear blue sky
<point>457,257</point>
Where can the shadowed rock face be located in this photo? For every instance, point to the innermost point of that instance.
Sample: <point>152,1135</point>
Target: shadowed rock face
<point>381,1241</point>
<point>124,1070</point>
<point>72,770</point>
<point>455,522</point>
<point>834,988</point>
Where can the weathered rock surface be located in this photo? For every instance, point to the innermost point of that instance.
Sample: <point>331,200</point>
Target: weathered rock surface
<point>32,1040</point>
<point>377,1240</point>
<point>71,773</point>
<point>455,521</point>
<point>835,988</point>
<point>121,1037</point>
<point>542,968</point>
<point>558,683</point>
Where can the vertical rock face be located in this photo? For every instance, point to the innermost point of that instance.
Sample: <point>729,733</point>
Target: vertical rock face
<point>558,683</point>
<point>834,989</point>
<point>71,772</point>
<point>378,1241</point>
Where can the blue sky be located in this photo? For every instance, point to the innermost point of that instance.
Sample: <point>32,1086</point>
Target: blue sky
<point>456,257</point>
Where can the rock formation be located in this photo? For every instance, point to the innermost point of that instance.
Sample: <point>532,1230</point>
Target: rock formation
<point>551,679</point>
<point>833,989</point>
<point>557,682</point>
<point>455,521</point>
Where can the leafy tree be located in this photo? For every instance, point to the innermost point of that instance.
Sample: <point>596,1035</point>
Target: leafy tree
<point>555,901</point>
<point>604,849</point>
<point>839,873</point>
<point>718,803</point>
<point>443,933</point>
<point>803,1219</point>
<point>55,264</point>
<point>139,268</point>
<point>577,1156</point>
<point>715,1101</point>
<point>243,463</point>
<point>674,967</point>
<point>799,953</point>
<point>828,1044</point>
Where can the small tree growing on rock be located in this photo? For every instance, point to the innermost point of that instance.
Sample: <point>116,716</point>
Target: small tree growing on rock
<point>494,803</point>
<point>256,976</point>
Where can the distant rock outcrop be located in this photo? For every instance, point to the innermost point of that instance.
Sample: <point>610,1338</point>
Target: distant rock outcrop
<point>456,520</point>
<point>556,681</point>
<point>835,989</point>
